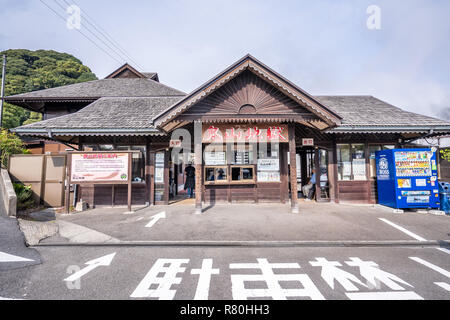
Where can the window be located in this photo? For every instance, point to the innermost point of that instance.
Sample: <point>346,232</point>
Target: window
<point>215,175</point>
<point>372,163</point>
<point>358,162</point>
<point>242,154</point>
<point>351,162</point>
<point>243,174</point>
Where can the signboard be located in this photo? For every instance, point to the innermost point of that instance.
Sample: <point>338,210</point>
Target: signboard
<point>245,133</point>
<point>92,167</point>
<point>268,164</point>
<point>308,142</point>
<point>175,143</point>
<point>214,158</point>
<point>264,176</point>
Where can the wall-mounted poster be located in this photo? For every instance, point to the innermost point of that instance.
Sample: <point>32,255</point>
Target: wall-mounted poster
<point>268,164</point>
<point>215,158</point>
<point>268,176</point>
<point>99,166</point>
<point>159,167</point>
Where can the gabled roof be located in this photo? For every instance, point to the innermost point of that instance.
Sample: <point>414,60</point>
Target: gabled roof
<point>117,115</point>
<point>250,63</point>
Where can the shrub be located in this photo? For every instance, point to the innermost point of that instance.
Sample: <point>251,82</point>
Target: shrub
<point>24,196</point>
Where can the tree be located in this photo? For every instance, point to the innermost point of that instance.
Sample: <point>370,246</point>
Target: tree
<point>35,70</point>
<point>10,144</point>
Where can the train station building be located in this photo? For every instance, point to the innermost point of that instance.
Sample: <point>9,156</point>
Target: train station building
<point>251,135</point>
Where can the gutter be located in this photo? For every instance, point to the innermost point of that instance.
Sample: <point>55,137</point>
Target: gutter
<point>366,129</point>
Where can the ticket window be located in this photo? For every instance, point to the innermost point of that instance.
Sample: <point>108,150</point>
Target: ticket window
<point>243,174</point>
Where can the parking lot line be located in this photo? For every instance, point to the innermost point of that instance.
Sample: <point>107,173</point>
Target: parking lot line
<point>409,233</point>
<point>431,266</point>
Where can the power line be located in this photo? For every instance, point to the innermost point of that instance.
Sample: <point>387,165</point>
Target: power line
<point>105,34</point>
<point>64,19</point>
<point>113,50</point>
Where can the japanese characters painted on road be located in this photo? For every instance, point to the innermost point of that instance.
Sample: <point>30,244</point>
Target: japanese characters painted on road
<point>245,133</point>
<point>163,291</point>
<point>92,167</point>
<point>165,274</point>
<point>306,287</point>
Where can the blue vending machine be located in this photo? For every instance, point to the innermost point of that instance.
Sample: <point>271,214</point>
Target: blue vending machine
<point>407,178</point>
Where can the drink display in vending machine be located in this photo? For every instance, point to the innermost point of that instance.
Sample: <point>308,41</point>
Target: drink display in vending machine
<point>407,178</point>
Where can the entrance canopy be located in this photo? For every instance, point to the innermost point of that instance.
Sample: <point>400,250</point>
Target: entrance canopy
<point>248,91</point>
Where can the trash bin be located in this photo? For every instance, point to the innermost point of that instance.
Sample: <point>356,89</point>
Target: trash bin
<point>444,196</point>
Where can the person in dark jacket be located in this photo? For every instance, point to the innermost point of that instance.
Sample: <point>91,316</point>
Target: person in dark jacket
<point>189,183</point>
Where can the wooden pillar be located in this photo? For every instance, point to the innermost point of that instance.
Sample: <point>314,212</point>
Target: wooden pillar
<point>129,181</point>
<point>166,176</point>
<point>317,170</point>
<point>147,173</point>
<point>67,180</point>
<point>198,166</point>
<point>152,177</point>
<point>293,169</point>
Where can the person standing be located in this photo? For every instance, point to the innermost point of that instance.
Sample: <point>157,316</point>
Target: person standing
<point>189,183</point>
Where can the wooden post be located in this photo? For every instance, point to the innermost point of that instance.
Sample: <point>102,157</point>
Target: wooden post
<point>113,189</point>
<point>293,169</point>
<point>166,176</point>
<point>67,180</point>
<point>129,181</point>
<point>198,166</point>
<point>152,177</point>
<point>318,174</point>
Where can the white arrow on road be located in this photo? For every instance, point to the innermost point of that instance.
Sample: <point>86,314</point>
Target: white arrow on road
<point>6,257</point>
<point>155,218</point>
<point>103,261</point>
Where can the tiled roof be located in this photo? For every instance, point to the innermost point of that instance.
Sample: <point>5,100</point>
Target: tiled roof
<point>118,87</point>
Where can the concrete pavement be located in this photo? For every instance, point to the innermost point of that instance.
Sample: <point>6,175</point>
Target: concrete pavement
<point>264,222</point>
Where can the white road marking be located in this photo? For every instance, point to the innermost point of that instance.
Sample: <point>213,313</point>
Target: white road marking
<point>204,279</point>
<point>272,280</point>
<point>93,264</point>
<point>375,276</point>
<point>443,285</point>
<point>155,219</point>
<point>444,250</point>
<point>331,273</point>
<point>163,291</point>
<point>392,295</point>
<point>1,298</point>
<point>409,233</point>
<point>6,257</point>
<point>431,266</point>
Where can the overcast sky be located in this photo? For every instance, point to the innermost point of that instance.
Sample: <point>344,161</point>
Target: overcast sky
<point>324,47</point>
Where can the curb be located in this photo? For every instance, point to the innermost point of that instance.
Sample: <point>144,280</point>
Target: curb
<point>348,243</point>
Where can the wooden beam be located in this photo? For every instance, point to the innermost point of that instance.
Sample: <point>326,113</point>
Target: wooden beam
<point>293,169</point>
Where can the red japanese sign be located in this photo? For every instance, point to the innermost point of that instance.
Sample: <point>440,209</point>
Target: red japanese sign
<point>260,133</point>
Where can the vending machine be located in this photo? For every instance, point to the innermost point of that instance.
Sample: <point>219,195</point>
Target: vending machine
<point>407,178</point>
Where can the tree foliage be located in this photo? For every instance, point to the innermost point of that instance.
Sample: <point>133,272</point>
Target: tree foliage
<point>35,70</point>
<point>445,154</point>
<point>10,144</point>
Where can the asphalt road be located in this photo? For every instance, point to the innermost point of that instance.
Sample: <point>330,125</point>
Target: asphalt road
<point>292,273</point>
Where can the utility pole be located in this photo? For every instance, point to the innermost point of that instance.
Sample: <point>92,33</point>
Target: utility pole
<point>3,90</point>
<point>2,98</point>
